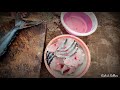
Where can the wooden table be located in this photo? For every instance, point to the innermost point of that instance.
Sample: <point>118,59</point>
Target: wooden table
<point>24,56</point>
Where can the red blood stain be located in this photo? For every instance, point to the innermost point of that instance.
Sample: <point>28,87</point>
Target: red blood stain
<point>66,70</point>
<point>62,65</point>
<point>55,44</point>
<point>76,58</point>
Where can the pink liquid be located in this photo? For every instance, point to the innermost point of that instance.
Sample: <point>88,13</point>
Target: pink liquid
<point>78,21</point>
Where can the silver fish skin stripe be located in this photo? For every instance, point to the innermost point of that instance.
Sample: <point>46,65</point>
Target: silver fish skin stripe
<point>6,40</point>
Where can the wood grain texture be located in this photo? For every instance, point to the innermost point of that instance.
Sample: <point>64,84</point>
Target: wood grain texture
<point>24,56</point>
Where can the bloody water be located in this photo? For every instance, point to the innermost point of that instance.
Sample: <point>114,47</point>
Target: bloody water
<point>78,21</point>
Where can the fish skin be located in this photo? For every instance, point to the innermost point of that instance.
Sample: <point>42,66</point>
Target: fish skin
<point>7,39</point>
<point>49,57</point>
<point>68,51</point>
<point>68,43</point>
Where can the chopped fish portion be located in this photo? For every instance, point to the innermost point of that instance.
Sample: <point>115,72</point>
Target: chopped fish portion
<point>68,56</point>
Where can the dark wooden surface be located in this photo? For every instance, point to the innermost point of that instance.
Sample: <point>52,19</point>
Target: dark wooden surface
<point>24,56</point>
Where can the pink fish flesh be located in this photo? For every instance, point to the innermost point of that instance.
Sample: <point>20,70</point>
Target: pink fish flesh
<point>69,56</point>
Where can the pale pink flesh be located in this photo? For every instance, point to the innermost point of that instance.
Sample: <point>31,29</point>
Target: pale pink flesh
<point>68,64</point>
<point>76,59</point>
<point>56,64</point>
<point>54,46</point>
<point>64,69</point>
